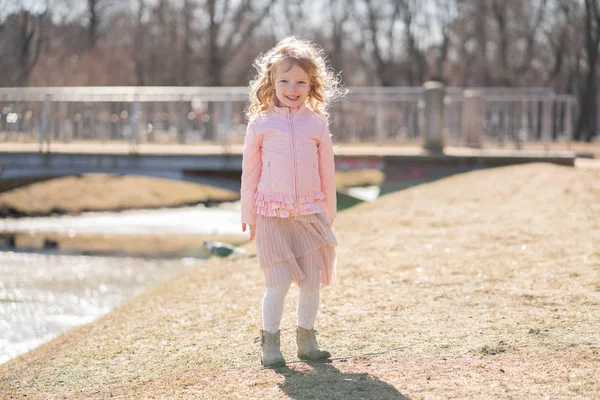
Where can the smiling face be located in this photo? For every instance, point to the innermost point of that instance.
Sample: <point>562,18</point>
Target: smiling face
<point>291,86</point>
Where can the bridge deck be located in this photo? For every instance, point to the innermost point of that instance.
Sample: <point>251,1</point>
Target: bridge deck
<point>121,148</point>
<point>218,165</point>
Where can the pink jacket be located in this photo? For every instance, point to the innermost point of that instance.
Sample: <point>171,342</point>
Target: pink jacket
<point>288,167</point>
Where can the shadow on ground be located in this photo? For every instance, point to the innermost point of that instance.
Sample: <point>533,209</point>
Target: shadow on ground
<point>325,381</point>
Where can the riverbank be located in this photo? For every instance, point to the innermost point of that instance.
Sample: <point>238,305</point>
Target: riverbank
<point>72,196</point>
<point>142,245</point>
<point>481,285</point>
<point>102,192</point>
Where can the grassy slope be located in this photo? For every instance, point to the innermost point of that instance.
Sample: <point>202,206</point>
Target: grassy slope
<point>480,285</point>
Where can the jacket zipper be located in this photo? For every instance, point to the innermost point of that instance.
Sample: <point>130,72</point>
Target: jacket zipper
<point>294,165</point>
<point>270,177</point>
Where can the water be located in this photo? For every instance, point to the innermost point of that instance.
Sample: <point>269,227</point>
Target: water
<point>224,219</point>
<point>43,295</point>
<point>365,193</point>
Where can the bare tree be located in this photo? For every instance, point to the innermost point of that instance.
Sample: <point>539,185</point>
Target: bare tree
<point>586,124</point>
<point>503,41</point>
<point>517,23</point>
<point>417,68</point>
<point>395,40</point>
<point>228,29</point>
<point>534,18</point>
<point>558,36</point>
<point>22,37</point>
<point>159,48</point>
<point>30,43</point>
<point>445,13</point>
<point>94,10</point>
<point>97,11</point>
<point>187,12</point>
<point>339,14</point>
<point>499,11</point>
<point>138,42</point>
<point>380,39</point>
<point>295,16</point>
<point>482,36</point>
<point>469,33</point>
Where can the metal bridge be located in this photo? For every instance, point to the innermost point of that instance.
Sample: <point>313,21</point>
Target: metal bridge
<point>401,165</point>
<point>194,133</point>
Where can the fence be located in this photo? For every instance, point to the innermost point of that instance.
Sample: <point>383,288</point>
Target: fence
<point>511,117</point>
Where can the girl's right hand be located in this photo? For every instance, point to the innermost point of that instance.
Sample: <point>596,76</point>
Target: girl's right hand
<point>252,230</point>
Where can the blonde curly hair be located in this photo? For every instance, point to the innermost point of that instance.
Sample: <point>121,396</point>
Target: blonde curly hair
<point>324,83</point>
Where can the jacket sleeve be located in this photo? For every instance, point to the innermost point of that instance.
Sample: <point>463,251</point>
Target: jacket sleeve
<point>251,170</point>
<point>327,173</point>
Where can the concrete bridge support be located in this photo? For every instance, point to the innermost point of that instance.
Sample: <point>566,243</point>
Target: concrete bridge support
<point>433,138</point>
<point>472,118</point>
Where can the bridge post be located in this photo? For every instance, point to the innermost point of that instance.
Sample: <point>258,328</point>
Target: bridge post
<point>524,130</point>
<point>548,122</point>
<point>380,132</point>
<point>133,128</point>
<point>568,124</point>
<point>434,94</point>
<point>472,118</point>
<point>225,124</point>
<point>44,121</point>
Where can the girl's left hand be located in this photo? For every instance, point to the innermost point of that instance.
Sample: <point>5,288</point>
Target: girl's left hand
<point>252,230</point>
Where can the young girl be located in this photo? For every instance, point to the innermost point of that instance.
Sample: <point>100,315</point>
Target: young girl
<point>288,196</point>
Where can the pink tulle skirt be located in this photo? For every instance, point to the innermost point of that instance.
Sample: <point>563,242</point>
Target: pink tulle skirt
<point>299,250</point>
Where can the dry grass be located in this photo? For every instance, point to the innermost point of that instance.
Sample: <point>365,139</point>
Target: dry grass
<point>97,192</point>
<point>481,285</point>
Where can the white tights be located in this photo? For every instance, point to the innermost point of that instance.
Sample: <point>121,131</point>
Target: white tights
<point>273,302</point>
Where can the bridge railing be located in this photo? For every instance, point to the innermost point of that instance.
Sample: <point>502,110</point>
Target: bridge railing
<point>133,116</point>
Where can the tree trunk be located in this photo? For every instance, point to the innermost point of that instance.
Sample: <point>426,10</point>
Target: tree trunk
<point>586,124</point>
<point>93,23</point>
<point>482,41</point>
<point>30,45</point>
<point>138,51</point>
<point>214,62</point>
<point>338,34</point>
<point>188,12</point>
<point>499,7</point>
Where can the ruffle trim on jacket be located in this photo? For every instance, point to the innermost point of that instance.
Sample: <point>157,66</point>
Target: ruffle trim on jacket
<point>280,205</point>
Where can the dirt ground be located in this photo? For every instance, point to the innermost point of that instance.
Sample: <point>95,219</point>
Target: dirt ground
<point>481,285</point>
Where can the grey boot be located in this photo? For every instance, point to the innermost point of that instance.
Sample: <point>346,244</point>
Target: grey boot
<point>308,349</point>
<point>271,355</point>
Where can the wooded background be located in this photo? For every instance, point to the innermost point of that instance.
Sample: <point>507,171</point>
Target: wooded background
<point>511,43</point>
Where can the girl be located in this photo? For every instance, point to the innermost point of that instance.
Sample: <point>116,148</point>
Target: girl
<point>288,194</point>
